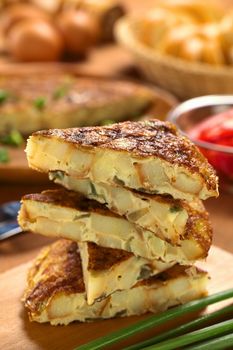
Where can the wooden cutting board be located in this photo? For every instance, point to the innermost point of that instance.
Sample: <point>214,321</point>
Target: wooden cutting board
<point>16,332</point>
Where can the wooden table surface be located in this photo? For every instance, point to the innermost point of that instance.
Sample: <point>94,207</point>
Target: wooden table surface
<point>109,61</point>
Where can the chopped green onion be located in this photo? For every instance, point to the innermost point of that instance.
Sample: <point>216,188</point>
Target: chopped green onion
<point>193,337</point>
<point>57,174</point>
<point>40,103</point>
<point>3,96</point>
<point>4,156</point>
<point>155,320</point>
<point>14,138</point>
<point>107,122</point>
<point>181,329</point>
<point>93,190</point>
<point>220,343</point>
<point>175,209</point>
<point>60,92</point>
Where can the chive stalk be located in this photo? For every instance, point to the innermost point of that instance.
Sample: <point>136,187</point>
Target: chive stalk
<point>107,122</point>
<point>14,138</point>
<point>60,92</point>
<point>193,337</point>
<point>4,155</point>
<point>3,96</point>
<point>220,343</point>
<point>181,329</point>
<point>40,103</point>
<point>155,320</point>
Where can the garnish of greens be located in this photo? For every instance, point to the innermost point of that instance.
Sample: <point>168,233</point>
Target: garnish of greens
<point>3,96</point>
<point>175,209</point>
<point>60,92</point>
<point>4,155</point>
<point>193,337</point>
<point>219,329</point>
<point>13,138</point>
<point>183,328</point>
<point>40,103</point>
<point>107,122</point>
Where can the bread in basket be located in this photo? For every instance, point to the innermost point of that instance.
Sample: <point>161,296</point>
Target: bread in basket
<point>187,50</point>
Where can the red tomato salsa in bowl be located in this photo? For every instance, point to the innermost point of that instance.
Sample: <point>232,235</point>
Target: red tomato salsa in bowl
<point>208,122</point>
<point>217,130</point>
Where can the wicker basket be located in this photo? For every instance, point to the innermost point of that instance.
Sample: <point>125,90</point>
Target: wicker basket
<point>182,78</point>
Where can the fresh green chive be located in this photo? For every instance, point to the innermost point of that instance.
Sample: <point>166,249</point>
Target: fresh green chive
<point>60,92</point>
<point>107,122</point>
<point>93,190</point>
<point>3,96</point>
<point>193,337</point>
<point>220,343</point>
<point>155,320</point>
<point>14,138</point>
<point>59,175</point>
<point>4,156</point>
<point>175,209</point>
<point>40,103</point>
<point>118,181</point>
<point>181,329</point>
<point>81,216</point>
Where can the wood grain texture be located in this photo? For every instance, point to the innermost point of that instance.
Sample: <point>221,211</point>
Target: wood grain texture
<point>16,332</point>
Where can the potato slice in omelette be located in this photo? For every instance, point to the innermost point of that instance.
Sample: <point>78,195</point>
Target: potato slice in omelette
<point>67,214</point>
<point>55,289</point>
<point>149,156</point>
<point>166,217</point>
<point>107,270</point>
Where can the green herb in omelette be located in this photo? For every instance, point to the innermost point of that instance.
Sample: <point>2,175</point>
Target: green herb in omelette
<point>107,122</point>
<point>93,190</point>
<point>82,216</point>
<point>3,96</point>
<point>175,209</point>
<point>14,138</point>
<point>40,103</point>
<point>57,175</point>
<point>4,156</point>
<point>60,92</point>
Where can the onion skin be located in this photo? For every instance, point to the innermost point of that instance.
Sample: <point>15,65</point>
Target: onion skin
<point>80,31</point>
<point>35,41</point>
<point>15,13</point>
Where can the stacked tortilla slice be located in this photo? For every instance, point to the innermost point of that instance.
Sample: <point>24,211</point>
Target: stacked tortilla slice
<point>130,216</point>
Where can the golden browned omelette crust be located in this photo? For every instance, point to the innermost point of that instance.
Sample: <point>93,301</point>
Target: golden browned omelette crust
<point>101,258</point>
<point>198,224</point>
<point>60,270</point>
<point>199,227</point>
<point>57,271</point>
<point>142,139</point>
<point>69,199</point>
